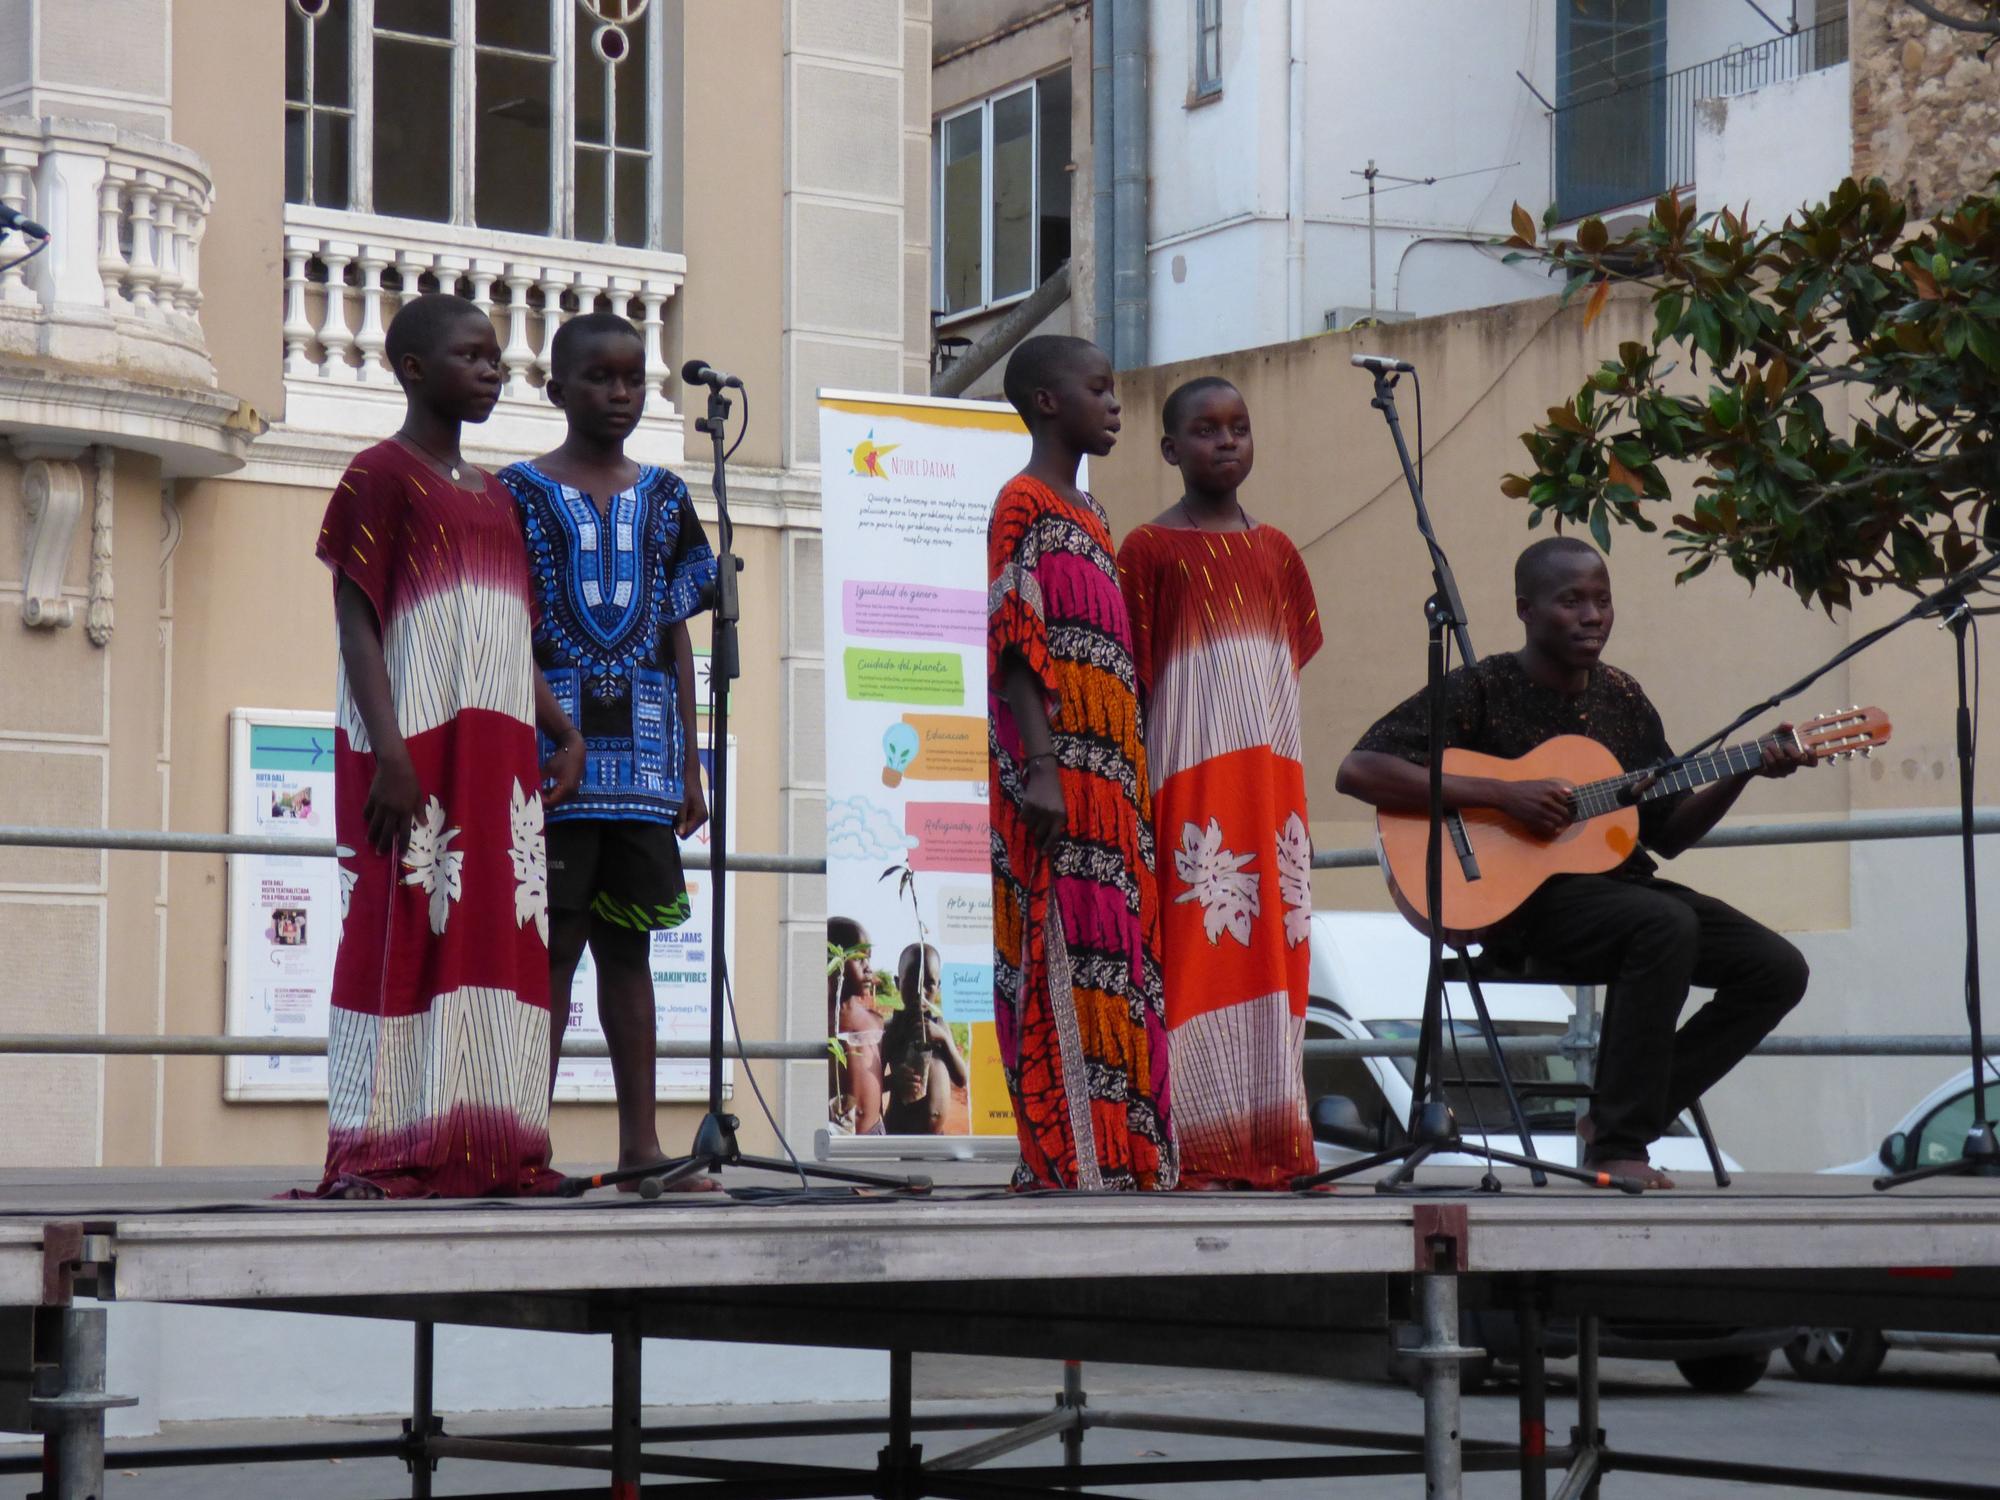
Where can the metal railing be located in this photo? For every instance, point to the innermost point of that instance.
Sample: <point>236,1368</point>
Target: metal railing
<point>1986,821</point>
<point>1634,138</point>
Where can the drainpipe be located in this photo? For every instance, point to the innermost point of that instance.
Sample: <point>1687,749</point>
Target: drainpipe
<point>1132,124</point>
<point>1103,240</point>
<point>1295,185</point>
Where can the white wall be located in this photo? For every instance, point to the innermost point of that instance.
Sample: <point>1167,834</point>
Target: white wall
<point>1734,162</point>
<point>1700,30</point>
<point>1423,87</point>
<point>192,1364</point>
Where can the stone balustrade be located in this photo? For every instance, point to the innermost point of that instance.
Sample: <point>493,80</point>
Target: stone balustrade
<point>119,286</point>
<point>346,274</point>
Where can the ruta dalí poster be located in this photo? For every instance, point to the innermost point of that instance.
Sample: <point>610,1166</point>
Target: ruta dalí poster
<point>907,484</point>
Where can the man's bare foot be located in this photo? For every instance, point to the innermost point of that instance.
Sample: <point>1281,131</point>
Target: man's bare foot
<point>700,1182</point>
<point>1635,1169</point>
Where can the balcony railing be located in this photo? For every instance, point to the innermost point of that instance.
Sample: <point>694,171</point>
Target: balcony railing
<point>1636,139</point>
<point>126,214</point>
<point>346,274</point>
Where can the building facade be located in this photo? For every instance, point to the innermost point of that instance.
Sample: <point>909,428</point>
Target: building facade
<point>1316,166</point>
<point>241,196</point>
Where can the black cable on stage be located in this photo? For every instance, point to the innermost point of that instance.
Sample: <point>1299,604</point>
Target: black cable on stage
<point>22,260</point>
<point>743,429</point>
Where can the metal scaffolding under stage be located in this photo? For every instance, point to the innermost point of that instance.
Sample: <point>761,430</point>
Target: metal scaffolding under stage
<point>1306,1284</point>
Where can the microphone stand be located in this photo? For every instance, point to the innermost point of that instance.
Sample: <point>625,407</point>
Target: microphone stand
<point>715,1144</point>
<point>1980,1156</point>
<point>1431,1128</point>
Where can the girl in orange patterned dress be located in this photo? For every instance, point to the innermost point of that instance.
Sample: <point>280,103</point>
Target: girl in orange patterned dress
<point>1077,994</point>
<point>1223,621</point>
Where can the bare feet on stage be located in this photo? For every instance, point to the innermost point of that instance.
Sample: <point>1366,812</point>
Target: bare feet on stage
<point>701,1182</point>
<point>355,1190</point>
<point>1636,1170</point>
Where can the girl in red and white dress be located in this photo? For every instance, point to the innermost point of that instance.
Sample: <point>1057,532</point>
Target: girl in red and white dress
<point>437,1051</point>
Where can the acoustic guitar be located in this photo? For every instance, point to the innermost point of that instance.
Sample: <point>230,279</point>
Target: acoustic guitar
<point>1492,864</point>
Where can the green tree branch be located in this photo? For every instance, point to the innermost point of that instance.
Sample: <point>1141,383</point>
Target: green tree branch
<point>1845,293</point>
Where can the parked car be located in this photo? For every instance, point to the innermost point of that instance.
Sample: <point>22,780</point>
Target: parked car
<point>1368,971</point>
<point>1932,1132</point>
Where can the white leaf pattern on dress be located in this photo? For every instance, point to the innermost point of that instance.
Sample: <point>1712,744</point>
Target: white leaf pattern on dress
<point>433,864</point>
<point>531,867</point>
<point>1295,879</point>
<point>1214,877</point>
<point>348,879</point>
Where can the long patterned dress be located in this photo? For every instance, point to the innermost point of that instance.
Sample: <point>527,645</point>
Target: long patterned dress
<point>438,1048</point>
<point>1077,995</point>
<point>1222,624</point>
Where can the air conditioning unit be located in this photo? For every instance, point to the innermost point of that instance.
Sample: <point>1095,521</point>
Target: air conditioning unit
<point>1338,318</point>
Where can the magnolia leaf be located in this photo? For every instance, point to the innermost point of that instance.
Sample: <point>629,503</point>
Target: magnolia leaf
<point>1514,487</point>
<point>1597,301</point>
<point>1524,224</point>
<point>1925,283</point>
<point>1592,236</point>
<point>1622,475</point>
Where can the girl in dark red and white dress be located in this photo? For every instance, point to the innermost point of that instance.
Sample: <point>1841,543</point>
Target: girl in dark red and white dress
<point>437,1051</point>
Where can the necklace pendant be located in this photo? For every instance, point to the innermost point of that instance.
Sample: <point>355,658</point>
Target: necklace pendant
<point>454,473</point>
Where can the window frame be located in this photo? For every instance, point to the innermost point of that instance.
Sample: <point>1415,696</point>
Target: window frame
<point>988,303</point>
<point>1205,86</point>
<point>465,46</point>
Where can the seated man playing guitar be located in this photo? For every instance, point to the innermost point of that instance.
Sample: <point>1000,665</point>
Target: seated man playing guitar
<point>1647,939</point>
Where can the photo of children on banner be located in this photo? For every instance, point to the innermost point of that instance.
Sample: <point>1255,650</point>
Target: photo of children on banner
<point>899,1067</point>
<point>295,806</point>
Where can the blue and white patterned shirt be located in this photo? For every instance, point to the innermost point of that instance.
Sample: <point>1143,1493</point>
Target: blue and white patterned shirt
<point>608,584</point>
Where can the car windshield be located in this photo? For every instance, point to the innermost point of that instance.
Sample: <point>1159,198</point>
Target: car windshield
<point>1473,1091</point>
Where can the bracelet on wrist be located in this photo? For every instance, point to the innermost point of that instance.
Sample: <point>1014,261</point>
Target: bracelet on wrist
<point>1049,755</point>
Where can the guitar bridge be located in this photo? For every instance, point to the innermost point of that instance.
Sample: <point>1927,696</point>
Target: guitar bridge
<point>1468,862</point>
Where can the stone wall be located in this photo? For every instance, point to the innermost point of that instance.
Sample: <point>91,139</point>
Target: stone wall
<point>1926,108</point>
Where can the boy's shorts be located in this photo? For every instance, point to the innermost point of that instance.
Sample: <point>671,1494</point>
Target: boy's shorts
<point>624,873</point>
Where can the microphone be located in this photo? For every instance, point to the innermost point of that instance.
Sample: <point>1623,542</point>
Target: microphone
<point>1381,364</point>
<point>701,372</point>
<point>9,219</point>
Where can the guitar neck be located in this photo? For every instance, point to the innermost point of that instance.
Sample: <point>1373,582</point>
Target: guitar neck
<point>1596,798</point>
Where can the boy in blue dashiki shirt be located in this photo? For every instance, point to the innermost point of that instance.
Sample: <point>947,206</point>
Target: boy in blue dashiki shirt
<point>620,563</point>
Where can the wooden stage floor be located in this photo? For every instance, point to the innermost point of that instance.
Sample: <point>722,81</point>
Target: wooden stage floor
<point>1303,1284</point>
<point>751,1263</point>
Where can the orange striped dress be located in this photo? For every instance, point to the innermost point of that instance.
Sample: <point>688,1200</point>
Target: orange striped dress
<point>1222,625</point>
<point>1076,977</point>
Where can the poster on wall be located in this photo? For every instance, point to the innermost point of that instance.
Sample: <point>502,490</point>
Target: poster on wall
<point>907,484</point>
<point>284,910</point>
<point>284,927</point>
<point>681,960</point>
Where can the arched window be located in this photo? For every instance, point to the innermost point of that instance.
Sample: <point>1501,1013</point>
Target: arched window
<point>534,116</point>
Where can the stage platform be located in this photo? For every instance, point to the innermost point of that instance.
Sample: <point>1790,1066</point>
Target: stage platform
<point>1302,1284</point>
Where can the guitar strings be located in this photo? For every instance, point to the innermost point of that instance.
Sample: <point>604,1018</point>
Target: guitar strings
<point>1596,798</point>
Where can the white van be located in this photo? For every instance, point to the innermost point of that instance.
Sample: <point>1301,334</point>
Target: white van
<point>1368,982</point>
